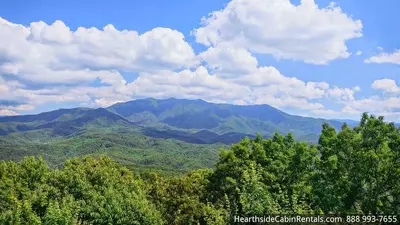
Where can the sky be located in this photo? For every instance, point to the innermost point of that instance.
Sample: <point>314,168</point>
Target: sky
<point>306,57</point>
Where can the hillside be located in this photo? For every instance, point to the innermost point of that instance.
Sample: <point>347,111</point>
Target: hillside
<point>197,115</point>
<point>346,173</point>
<point>62,122</point>
<point>173,135</point>
<point>193,121</point>
<point>129,148</point>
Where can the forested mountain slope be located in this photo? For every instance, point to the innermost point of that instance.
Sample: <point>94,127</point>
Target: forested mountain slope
<point>197,115</point>
<point>193,121</point>
<point>354,171</point>
<point>169,135</point>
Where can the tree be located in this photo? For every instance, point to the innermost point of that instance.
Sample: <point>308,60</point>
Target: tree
<point>264,176</point>
<point>88,190</point>
<point>354,170</point>
<point>358,169</point>
<point>182,200</point>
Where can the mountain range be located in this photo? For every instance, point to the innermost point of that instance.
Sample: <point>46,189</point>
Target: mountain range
<point>167,134</point>
<point>194,121</point>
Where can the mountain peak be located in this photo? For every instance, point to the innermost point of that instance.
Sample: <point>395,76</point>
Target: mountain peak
<point>197,114</point>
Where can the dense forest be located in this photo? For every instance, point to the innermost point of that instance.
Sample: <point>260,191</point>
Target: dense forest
<point>169,136</point>
<point>354,170</point>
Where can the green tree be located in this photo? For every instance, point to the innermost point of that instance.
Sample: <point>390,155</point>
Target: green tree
<point>182,200</point>
<point>354,170</point>
<point>88,190</point>
<point>264,176</point>
<point>358,169</point>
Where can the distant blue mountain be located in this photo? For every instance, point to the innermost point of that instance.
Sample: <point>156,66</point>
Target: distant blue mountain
<point>351,123</point>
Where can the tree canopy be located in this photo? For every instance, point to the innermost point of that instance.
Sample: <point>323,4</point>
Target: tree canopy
<point>354,170</point>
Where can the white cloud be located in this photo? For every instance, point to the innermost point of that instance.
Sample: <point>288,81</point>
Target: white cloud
<point>393,58</point>
<point>229,61</point>
<point>358,52</point>
<point>342,94</point>
<point>42,74</point>
<point>356,88</point>
<point>386,105</point>
<point>288,102</point>
<point>391,104</point>
<point>7,112</point>
<point>265,78</point>
<point>187,84</point>
<point>355,112</point>
<point>53,53</point>
<point>57,33</point>
<point>13,110</point>
<point>386,85</point>
<point>29,98</point>
<point>43,63</point>
<point>268,86</point>
<point>66,63</point>
<point>304,32</point>
<point>103,102</point>
<point>350,110</point>
<point>255,85</point>
<point>343,113</point>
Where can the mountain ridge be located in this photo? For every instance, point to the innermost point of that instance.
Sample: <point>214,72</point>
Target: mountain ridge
<point>193,121</point>
<point>182,119</point>
<point>197,115</point>
<point>168,135</point>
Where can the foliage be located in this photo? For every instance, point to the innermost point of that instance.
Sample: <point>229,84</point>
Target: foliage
<point>359,169</point>
<point>355,170</point>
<point>131,149</point>
<point>198,115</point>
<point>85,191</point>
<point>183,200</point>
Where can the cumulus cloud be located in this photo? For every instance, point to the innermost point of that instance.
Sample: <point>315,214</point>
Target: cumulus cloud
<point>288,102</point>
<point>229,61</point>
<point>355,109</point>
<point>266,78</point>
<point>383,105</point>
<point>7,112</point>
<point>103,102</point>
<point>187,84</point>
<point>386,85</point>
<point>388,107</point>
<point>253,85</point>
<point>342,94</point>
<point>278,27</point>
<point>393,58</point>
<point>343,113</point>
<point>356,88</point>
<point>11,103</point>
<point>70,61</point>
<point>377,105</point>
<point>43,63</point>
<point>230,74</point>
<point>54,53</point>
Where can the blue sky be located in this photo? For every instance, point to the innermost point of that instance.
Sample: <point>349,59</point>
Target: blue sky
<point>311,58</point>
